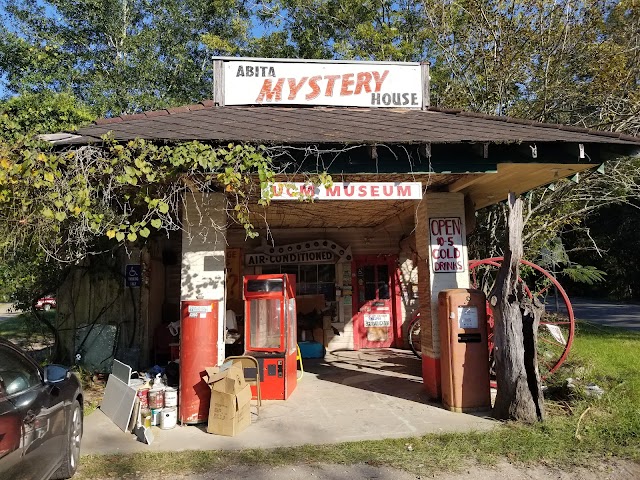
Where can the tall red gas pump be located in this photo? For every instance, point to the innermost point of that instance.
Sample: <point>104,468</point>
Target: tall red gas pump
<point>270,331</point>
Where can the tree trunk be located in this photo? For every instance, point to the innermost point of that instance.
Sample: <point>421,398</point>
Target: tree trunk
<point>515,333</point>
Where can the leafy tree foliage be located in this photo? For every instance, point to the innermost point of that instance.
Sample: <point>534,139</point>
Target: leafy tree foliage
<point>120,56</point>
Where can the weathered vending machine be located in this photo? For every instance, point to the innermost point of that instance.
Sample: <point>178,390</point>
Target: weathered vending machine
<point>271,332</point>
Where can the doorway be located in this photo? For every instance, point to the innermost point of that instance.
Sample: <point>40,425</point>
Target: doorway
<point>374,303</point>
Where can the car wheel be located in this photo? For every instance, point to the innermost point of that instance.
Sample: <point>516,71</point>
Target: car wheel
<point>72,450</point>
<point>46,307</point>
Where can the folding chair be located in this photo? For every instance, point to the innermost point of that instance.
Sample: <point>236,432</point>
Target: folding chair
<point>251,369</point>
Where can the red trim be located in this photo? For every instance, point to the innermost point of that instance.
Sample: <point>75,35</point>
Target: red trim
<point>397,304</point>
<point>431,377</point>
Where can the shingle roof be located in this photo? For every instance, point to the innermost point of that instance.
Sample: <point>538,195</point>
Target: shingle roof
<point>299,125</point>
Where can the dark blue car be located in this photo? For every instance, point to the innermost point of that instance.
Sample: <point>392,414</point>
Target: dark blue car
<point>40,418</point>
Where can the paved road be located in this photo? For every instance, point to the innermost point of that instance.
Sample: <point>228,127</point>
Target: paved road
<point>623,315</point>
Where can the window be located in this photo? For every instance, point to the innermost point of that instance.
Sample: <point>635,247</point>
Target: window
<point>310,279</point>
<point>17,374</point>
<point>265,323</point>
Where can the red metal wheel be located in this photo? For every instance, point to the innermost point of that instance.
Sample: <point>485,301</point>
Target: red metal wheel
<point>556,338</point>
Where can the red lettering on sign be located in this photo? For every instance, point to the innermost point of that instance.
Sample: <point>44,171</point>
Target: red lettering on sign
<point>362,191</point>
<point>404,191</point>
<point>307,190</point>
<point>333,191</point>
<point>446,226</point>
<point>379,79</point>
<point>330,83</point>
<point>387,191</point>
<point>315,88</point>
<point>294,87</point>
<point>374,191</point>
<point>269,92</point>
<point>347,81</point>
<point>363,79</point>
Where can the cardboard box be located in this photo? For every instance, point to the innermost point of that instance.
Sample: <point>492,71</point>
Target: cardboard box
<point>230,413</point>
<point>233,426</point>
<point>229,410</point>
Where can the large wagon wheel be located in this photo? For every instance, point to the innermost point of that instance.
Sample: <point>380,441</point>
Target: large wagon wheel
<point>556,331</point>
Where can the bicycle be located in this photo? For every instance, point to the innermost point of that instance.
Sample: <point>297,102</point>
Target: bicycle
<point>413,335</point>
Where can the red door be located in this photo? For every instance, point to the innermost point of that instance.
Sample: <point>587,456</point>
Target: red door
<point>374,301</point>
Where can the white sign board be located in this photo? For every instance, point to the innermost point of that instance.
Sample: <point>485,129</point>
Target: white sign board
<point>347,191</point>
<point>446,244</point>
<point>253,259</point>
<point>200,308</point>
<point>318,83</point>
<point>467,317</point>
<point>377,320</point>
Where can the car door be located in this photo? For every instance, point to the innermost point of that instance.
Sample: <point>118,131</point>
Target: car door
<point>37,413</point>
<point>10,437</point>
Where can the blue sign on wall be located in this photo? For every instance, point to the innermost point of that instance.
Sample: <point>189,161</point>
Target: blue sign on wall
<point>132,275</point>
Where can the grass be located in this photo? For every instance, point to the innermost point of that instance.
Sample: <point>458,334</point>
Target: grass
<point>610,427</point>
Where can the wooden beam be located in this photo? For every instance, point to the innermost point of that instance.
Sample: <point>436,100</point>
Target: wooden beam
<point>424,69</point>
<point>464,182</point>
<point>218,83</point>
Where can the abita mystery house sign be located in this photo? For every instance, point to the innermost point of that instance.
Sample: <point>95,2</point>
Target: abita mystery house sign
<point>355,84</point>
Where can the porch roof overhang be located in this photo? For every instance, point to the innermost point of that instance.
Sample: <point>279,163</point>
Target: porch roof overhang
<point>485,157</point>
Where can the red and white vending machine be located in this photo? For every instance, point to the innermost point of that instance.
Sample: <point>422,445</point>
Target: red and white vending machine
<point>270,331</point>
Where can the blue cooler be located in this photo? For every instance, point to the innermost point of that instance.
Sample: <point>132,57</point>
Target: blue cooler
<point>311,349</point>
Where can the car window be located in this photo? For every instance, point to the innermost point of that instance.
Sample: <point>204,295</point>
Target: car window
<point>17,374</point>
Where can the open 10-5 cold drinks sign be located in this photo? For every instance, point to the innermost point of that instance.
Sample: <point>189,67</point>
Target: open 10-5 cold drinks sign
<point>356,84</point>
<point>446,244</point>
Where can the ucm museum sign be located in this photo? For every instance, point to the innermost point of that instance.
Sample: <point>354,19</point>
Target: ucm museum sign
<point>346,191</point>
<point>355,84</point>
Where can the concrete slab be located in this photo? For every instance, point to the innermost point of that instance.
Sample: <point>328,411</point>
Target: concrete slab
<point>348,396</point>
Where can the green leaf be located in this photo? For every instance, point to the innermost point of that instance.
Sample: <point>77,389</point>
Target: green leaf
<point>120,236</point>
<point>144,232</point>
<point>163,207</point>
<point>132,237</point>
<point>60,216</point>
<point>156,223</point>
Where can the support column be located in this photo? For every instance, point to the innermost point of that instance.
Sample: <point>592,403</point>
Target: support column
<point>203,254</point>
<point>436,213</point>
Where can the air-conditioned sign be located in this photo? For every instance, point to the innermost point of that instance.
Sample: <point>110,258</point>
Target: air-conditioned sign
<point>446,245</point>
<point>347,191</point>
<point>254,259</point>
<point>318,83</point>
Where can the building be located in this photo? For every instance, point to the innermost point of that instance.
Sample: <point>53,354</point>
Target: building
<point>388,235</point>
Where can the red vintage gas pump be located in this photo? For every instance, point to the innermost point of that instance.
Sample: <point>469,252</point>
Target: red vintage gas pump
<point>270,331</point>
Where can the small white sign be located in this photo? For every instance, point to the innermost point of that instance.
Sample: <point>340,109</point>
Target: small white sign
<point>346,191</point>
<point>467,317</point>
<point>199,308</point>
<point>357,84</point>
<point>446,245</point>
<point>377,320</point>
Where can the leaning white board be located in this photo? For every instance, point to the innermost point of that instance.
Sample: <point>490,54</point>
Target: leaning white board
<point>118,402</point>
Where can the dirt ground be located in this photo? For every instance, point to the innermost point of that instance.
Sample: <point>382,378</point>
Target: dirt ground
<point>611,470</point>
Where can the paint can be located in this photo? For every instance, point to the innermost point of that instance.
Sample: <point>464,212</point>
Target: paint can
<point>143,396</point>
<point>170,397</point>
<point>156,398</point>
<point>156,413</point>
<point>168,418</point>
